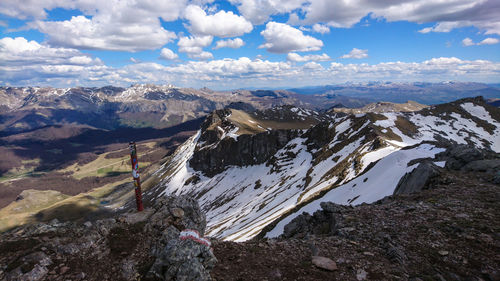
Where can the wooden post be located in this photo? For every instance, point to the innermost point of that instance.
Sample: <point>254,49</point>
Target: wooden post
<point>135,175</point>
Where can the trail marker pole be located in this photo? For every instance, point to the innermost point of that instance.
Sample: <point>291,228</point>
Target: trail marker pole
<point>135,175</point>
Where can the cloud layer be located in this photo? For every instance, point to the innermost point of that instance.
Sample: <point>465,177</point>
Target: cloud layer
<point>25,62</point>
<point>284,28</point>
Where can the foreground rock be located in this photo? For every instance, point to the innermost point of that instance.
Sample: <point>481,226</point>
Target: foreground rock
<point>134,246</point>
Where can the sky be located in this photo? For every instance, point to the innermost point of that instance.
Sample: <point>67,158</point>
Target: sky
<point>247,43</point>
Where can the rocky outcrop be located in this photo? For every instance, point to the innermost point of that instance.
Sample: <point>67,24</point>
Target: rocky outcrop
<point>184,260</point>
<point>326,221</point>
<point>418,179</point>
<point>460,155</point>
<point>131,246</point>
<point>248,150</point>
<point>218,152</point>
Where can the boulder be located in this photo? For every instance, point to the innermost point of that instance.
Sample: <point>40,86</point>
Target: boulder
<point>460,155</point>
<point>418,179</point>
<point>181,211</point>
<point>326,221</point>
<point>184,260</point>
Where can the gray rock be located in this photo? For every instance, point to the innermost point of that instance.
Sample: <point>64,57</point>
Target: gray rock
<point>323,222</point>
<point>496,178</point>
<point>418,179</point>
<point>177,212</point>
<point>183,260</point>
<point>193,218</point>
<point>39,262</point>
<point>250,149</point>
<point>300,224</point>
<point>361,274</point>
<point>489,166</point>
<point>460,155</point>
<point>128,270</point>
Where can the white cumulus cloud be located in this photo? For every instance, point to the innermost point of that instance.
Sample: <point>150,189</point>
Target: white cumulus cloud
<point>283,38</point>
<point>168,54</point>
<point>320,28</point>
<point>105,34</point>
<point>450,14</point>
<point>31,63</point>
<point>468,42</point>
<point>194,45</point>
<point>19,51</point>
<point>298,58</point>
<point>124,25</point>
<point>222,24</point>
<point>72,69</point>
<point>229,43</point>
<point>259,11</point>
<point>487,41</point>
<point>356,54</point>
<point>202,56</point>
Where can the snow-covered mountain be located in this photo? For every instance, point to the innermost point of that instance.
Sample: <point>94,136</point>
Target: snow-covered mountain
<point>248,170</point>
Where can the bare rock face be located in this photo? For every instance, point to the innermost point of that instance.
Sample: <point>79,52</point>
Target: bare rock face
<point>460,155</point>
<point>323,222</point>
<point>418,179</point>
<point>32,267</point>
<point>250,149</point>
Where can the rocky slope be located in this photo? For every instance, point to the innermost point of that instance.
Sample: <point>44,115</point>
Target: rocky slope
<point>151,245</point>
<point>247,175</point>
<point>447,232</point>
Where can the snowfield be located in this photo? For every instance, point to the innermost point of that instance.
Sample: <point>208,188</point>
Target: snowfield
<point>377,183</point>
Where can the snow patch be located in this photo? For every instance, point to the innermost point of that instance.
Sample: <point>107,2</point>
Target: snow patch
<point>374,185</point>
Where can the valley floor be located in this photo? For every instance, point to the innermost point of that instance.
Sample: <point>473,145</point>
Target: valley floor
<point>450,232</point>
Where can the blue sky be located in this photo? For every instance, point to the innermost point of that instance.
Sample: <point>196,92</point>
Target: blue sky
<point>247,43</point>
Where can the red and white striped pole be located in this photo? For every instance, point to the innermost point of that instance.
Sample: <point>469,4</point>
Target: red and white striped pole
<point>135,175</point>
